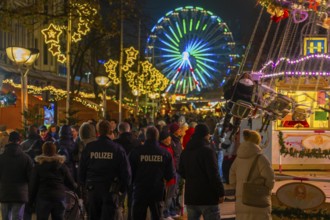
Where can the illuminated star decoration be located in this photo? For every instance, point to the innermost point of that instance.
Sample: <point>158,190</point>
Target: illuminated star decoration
<point>131,56</point>
<point>55,49</point>
<point>53,32</point>
<point>110,68</point>
<point>150,80</point>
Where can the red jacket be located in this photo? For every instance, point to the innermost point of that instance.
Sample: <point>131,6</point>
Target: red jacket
<point>170,150</point>
<point>187,137</point>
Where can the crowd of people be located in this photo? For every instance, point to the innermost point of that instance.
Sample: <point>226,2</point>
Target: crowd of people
<point>119,171</point>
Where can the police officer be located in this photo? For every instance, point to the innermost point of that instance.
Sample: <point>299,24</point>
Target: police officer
<point>105,172</point>
<point>151,165</point>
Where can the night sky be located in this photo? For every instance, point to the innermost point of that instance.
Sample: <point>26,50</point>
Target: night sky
<point>240,15</point>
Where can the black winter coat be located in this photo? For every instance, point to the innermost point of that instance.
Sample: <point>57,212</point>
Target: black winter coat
<point>102,161</point>
<point>151,165</point>
<point>50,179</point>
<point>127,141</point>
<point>198,166</point>
<point>15,170</point>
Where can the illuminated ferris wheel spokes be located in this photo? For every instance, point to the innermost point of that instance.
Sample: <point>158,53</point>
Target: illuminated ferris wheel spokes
<point>185,61</point>
<point>192,47</point>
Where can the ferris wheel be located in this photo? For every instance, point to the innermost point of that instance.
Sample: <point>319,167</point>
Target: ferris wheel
<point>193,48</point>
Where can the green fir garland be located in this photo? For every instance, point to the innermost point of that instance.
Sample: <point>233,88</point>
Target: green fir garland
<point>295,213</point>
<point>310,153</point>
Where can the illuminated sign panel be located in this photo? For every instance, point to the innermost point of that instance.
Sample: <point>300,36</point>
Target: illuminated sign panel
<point>315,45</point>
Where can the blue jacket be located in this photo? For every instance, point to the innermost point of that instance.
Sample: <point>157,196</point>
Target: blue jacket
<point>151,165</point>
<point>102,161</point>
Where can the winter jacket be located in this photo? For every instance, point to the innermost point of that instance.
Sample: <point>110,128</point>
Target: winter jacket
<point>127,141</point>
<point>170,150</point>
<point>151,165</point>
<point>246,153</point>
<point>102,161</point>
<point>66,147</point>
<point>199,168</point>
<point>32,146</point>
<point>187,136</point>
<point>50,178</point>
<point>15,170</point>
<point>177,149</point>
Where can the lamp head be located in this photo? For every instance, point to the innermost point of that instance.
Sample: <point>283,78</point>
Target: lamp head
<point>102,81</point>
<point>21,55</point>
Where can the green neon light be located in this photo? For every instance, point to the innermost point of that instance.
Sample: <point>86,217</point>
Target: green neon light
<point>199,8</point>
<point>205,25</point>
<point>177,85</point>
<point>184,85</point>
<point>210,13</point>
<point>184,26</point>
<point>197,26</point>
<point>189,7</point>
<point>178,9</point>
<point>179,30</point>
<point>200,75</point>
<point>171,46</point>
<point>202,68</point>
<point>190,83</point>
<point>177,39</point>
<point>219,20</point>
<point>169,13</point>
<point>172,40</point>
<point>191,23</point>
<point>226,30</point>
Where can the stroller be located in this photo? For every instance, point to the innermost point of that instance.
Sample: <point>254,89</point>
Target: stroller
<point>74,209</point>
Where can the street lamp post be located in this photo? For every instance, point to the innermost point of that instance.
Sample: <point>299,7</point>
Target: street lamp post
<point>23,56</point>
<point>104,83</point>
<point>153,96</point>
<point>136,93</point>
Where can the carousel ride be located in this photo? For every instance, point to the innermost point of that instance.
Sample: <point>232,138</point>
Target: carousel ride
<point>297,58</point>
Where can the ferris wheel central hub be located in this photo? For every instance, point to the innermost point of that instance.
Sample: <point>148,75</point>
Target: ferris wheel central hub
<point>185,55</point>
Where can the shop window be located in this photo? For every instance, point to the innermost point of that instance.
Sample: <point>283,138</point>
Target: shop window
<point>309,111</point>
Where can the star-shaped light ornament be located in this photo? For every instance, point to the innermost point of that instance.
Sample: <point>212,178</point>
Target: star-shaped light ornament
<point>83,28</point>
<point>55,49</point>
<point>146,65</point>
<point>76,37</point>
<point>52,34</point>
<point>131,53</point>
<point>110,65</point>
<point>61,58</point>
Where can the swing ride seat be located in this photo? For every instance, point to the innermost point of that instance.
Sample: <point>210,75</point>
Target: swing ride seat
<point>300,114</point>
<point>241,109</point>
<point>279,107</point>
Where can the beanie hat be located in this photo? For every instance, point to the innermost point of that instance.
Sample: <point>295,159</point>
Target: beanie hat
<point>201,130</point>
<point>174,127</point>
<point>42,128</point>
<point>49,149</point>
<point>252,136</point>
<point>87,132</point>
<point>14,137</point>
<point>163,135</point>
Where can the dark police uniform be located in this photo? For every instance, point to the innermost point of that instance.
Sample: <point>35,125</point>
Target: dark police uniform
<point>102,162</point>
<point>151,165</point>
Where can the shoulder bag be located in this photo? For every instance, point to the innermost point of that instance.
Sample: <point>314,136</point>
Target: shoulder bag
<point>256,195</point>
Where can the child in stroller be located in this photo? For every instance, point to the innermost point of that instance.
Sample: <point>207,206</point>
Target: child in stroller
<point>74,208</point>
